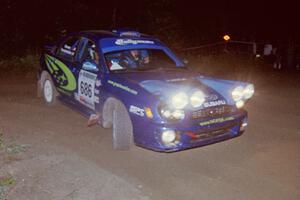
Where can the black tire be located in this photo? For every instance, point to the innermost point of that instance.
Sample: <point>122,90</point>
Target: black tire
<point>122,128</point>
<point>47,86</point>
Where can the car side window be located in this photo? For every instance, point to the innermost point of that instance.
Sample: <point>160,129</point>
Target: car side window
<point>90,52</point>
<point>68,48</point>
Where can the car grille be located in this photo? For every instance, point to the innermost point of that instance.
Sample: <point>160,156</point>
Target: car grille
<point>212,112</point>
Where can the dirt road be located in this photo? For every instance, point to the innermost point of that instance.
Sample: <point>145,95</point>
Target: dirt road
<point>67,160</point>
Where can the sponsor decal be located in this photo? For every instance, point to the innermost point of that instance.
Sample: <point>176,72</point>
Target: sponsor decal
<point>214,103</point>
<point>86,89</point>
<point>137,110</point>
<point>215,121</point>
<point>98,83</point>
<point>67,47</point>
<point>81,99</point>
<point>96,99</point>
<point>96,91</point>
<point>66,51</point>
<point>123,87</point>
<point>212,97</point>
<point>86,102</point>
<point>61,73</point>
<point>131,41</point>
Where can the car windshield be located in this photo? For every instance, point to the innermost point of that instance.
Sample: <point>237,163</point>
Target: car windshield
<point>139,60</point>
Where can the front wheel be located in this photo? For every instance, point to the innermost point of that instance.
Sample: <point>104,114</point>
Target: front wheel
<point>49,92</point>
<point>122,128</point>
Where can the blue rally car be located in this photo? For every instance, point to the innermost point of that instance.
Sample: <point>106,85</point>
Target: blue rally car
<point>134,84</point>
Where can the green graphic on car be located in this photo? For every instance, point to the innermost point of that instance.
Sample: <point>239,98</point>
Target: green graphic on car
<point>61,73</point>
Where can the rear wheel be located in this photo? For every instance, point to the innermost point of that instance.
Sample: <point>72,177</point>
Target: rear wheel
<point>122,128</point>
<point>48,90</point>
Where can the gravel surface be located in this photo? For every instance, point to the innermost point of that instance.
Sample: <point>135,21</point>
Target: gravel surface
<point>65,159</point>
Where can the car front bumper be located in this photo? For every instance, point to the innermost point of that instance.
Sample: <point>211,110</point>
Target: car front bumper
<point>194,134</point>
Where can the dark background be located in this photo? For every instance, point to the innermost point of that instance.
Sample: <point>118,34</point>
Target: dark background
<point>27,25</point>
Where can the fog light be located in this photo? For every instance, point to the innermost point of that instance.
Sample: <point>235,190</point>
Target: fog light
<point>243,126</point>
<point>168,136</point>
<point>166,113</point>
<point>248,91</point>
<point>178,114</point>
<point>237,93</point>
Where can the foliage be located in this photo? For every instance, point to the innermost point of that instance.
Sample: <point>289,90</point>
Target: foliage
<point>225,66</point>
<point>5,184</point>
<point>7,181</point>
<point>160,21</point>
<point>13,149</point>
<point>17,148</point>
<point>2,145</point>
<point>20,65</point>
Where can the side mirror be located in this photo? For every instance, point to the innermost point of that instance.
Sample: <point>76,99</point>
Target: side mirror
<point>90,65</point>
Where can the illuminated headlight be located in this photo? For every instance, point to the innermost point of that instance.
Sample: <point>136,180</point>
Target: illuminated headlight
<point>168,136</point>
<point>237,93</point>
<point>243,126</point>
<point>197,99</point>
<point>180,100</point>
<point>248,91</point>
<point>240,104</point>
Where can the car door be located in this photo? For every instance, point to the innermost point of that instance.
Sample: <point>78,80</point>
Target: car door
<point>61,66</point>
<point>90,75</point>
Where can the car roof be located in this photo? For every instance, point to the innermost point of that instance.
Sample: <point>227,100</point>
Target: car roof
<point>100,34</point>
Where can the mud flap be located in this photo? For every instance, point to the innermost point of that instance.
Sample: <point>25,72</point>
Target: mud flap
<point>94,119</point>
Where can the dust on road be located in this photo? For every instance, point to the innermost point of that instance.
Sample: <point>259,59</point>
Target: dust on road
<point>67,160</point>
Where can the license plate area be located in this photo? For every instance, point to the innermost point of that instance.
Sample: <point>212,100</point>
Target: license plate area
<point>210,133</point>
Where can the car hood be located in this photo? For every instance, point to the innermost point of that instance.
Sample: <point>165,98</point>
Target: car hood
<point>165,84</point>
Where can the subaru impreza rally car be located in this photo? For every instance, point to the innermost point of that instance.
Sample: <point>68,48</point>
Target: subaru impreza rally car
<point>134,84</point>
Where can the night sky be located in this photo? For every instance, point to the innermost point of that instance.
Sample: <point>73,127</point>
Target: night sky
<point>30,24</point>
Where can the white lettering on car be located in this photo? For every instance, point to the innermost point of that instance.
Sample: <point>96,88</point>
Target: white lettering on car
<point>126,88</point>
<point>131,41</point>
<point>137,111</point>
<point>66,51</point>
<point>214,103</point>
